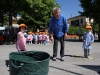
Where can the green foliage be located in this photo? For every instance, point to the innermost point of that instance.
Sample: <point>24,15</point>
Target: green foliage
<point>12,8</point>
<point>74,30</point>
<point>96,28</point>
<point>91,9</point>
<point>33,12</point>
<point>39,13</point>
<point>83,30</point>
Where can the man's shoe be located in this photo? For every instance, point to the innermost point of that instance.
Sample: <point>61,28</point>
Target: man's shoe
<point>62,58</point>
<point>54,58</point>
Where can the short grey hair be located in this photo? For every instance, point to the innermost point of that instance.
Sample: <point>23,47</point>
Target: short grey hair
<point>56,8</point>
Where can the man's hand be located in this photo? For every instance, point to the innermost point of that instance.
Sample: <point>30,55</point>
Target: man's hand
<point>52,39</point>
<point>66,35</point>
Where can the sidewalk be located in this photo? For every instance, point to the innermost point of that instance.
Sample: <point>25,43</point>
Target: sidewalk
<point>74,64</point>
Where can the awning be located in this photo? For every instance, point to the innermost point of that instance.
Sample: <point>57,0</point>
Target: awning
<point>2,28</point>
<point>15,25</point>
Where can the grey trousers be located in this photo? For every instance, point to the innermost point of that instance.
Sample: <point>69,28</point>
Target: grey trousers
<point>86,53</point>
<point>55,46</point>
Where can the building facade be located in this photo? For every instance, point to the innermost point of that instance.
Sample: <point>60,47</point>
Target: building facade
<point>79,21</point>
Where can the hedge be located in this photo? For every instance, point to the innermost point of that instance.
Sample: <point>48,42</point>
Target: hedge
<point>74,30</point>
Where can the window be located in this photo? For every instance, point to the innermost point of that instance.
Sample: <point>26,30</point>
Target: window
<point>75,23</point>
<point>81,21</point>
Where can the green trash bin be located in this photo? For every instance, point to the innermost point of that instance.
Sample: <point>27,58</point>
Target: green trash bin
<point>29,63</point>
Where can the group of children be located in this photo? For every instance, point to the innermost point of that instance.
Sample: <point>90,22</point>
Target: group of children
<point>43,38</point>
<point>38,38</point>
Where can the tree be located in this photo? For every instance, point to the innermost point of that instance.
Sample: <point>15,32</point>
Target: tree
<point>39,13</point>
<point>33,12</point>
<point>11,8</point>
<point>91,9</point>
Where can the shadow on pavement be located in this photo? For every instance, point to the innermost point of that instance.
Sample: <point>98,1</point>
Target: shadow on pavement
<point>7,63</point>
<point>1,43</point>
<point>7,43</point>
<point>92,67</point>
<point>77,56</point>
<point>56,58</point>
<point>65,70</point>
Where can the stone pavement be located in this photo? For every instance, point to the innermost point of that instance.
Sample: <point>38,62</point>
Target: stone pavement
<point>74,64</point>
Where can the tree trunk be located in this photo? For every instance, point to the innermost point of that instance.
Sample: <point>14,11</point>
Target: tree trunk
<point>99,33</point>
<point>1,19</point>
<point>10,27</point>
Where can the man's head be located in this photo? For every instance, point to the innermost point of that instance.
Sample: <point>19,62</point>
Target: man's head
<point>56,12</point>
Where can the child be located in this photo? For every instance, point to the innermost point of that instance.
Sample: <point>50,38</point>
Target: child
<point>33,39</point>
<point>21,38</point>
<point>88,39</point>
<point>47,39</point>
<point>40,38</point>
<point>36,38</point>
<point>29,38</point>
<point>44,38</point>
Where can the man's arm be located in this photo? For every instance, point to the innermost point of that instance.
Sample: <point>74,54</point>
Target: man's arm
<point>66,27</point>
<point>51,29</point>
<point>51,25</point>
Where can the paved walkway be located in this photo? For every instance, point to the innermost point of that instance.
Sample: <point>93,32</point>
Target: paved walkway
<point>74,64</point>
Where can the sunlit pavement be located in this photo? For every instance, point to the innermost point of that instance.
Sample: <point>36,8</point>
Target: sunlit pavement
<point>74,63</point>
